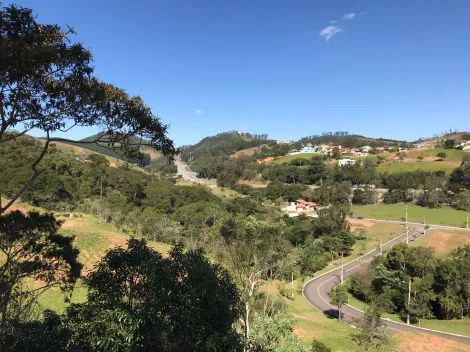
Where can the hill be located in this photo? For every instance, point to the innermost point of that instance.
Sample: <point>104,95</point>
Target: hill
<point>116,153</point>
<point>226,143</point>
<point>347,140</point>
<point>458,136</point>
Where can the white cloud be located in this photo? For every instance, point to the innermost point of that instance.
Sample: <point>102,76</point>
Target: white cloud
<point>333,21</point>
<point>363,13</point>
<point>199,112</point>
<point>349,16</point>
<point>330,31</point>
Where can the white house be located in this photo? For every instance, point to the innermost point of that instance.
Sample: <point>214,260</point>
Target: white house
<point>366,149</point>
<point>343,162</point>
<point>360,154</point>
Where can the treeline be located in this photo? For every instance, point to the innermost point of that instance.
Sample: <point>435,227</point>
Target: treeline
<point>437,285</point>
<point>222,144</point>
<point>347,140</point>
<point>137,157</point>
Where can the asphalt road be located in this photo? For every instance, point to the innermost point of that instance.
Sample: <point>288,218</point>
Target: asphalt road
<point>189,176</point>
<point>316,290</point>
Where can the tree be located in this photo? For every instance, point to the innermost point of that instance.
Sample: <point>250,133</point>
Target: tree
<point>370,325</point>
<point>32,249</point>
<point>253,248</point>
<point>316,170</point>
<point>441,155</point>
<point>420,158</point>
<point>449,144</point>
<point>47,84</point>
<point>336,154</point>
<point>140,301</point>
<point>338,297</point>
<point>462,200</point>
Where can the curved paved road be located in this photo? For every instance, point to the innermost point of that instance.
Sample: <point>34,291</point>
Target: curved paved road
<point>316,290</point>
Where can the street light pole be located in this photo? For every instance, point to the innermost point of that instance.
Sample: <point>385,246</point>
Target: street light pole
<point>406,219</point>
<point>409,299</point>
<point>342,269</point>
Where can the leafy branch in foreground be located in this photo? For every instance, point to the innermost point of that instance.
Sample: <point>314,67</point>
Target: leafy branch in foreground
<point>47,84</point>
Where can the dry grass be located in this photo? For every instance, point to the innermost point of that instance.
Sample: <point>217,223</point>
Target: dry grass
<point>444,241</point>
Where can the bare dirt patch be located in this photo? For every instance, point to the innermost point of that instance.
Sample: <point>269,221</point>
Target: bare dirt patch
<point>360,224</point>
<point>17,207</point>
<point>248,151</point>
<point>299,332</point>
<point>410,342</point>
<point>267,160</point>
<point>443,241</point>
<point>253,183</point>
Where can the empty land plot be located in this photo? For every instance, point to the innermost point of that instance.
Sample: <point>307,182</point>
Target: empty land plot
<point>444,241</point>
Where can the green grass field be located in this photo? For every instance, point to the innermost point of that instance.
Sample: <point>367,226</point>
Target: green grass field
<point>452,154</point>
<point>415,166</point>
<point>289,158</point>
<point>439,216</point>
<point>93,239</point>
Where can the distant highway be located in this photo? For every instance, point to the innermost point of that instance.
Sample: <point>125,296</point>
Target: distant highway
<point>316,290</point>
<point>189,176</point>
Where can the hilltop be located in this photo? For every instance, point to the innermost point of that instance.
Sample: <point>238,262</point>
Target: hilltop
<point>225,143</point>
<point>347,140</point>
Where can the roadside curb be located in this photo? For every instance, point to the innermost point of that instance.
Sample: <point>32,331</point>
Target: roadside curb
<point>357,259</point>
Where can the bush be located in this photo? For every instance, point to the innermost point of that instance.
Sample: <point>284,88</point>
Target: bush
<point>318,346</point>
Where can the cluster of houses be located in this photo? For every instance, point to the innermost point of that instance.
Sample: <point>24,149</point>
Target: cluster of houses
<point>302,207</point>
<point>356,152</point>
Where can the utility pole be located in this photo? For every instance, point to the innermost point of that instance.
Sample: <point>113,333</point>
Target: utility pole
<point>467,221</point>
<point>424,225</point>
<point>342,269</point>
<point>409,299</point>
<point>406,219</point>
<point>292,284</point>
<point>380,246</point>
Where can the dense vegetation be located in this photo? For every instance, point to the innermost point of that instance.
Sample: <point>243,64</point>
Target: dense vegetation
<point>438,285</point>
<point>144,203</point>
<point>347,140</point>
<point>99,144</point>
<point>223,144</point>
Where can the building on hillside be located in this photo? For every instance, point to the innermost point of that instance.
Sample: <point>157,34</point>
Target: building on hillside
<point>366,149</point>
<point>343,162</point>
<point>308,150</point>
<point>360,154</point>
<point>303,150</point>
<point>402,150</point>
<point>303,204</point>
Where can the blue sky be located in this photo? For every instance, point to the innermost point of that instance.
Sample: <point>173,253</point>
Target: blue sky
<point>397,69</point>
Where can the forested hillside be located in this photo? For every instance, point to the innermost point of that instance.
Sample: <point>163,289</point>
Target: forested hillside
<point>223,144</point>
<point>102,147</point>
<point>347,140</point>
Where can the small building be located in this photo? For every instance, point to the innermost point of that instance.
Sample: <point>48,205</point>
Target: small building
<point>366,149</point>
<point>360,154</point>
<point>307,150</point>
<point>343,162</point>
